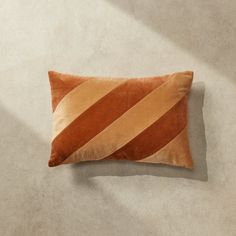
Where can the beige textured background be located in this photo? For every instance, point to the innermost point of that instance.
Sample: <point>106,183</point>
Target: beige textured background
<point>117,38</point>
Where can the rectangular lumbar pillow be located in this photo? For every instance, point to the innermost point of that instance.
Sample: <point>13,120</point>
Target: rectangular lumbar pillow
<point>136,119</point>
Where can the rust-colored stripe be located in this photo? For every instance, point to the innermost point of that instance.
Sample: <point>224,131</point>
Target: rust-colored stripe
<point>100,115</point>
<point>62,84</point>
<point>155,136</point>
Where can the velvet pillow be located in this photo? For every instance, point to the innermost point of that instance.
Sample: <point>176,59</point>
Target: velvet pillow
<point>136,119</point>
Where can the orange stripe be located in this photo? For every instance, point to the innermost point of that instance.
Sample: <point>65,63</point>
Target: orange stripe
<point>155,136</point>
<point>100,115</point>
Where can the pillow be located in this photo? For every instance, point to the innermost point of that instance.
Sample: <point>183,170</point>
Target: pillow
<point>136,119</point>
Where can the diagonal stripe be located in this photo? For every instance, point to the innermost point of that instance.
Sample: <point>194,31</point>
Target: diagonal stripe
<point>155,136</point>
<point>176,152</point>
<point>136,119</point>
<point>79,100</point>
<point>104,112</point>
<point>61,84</point>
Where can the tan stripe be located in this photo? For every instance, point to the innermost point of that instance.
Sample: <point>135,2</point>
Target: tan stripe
<point>135,120</point>
<point>176,152</point>
<point>89,92</point>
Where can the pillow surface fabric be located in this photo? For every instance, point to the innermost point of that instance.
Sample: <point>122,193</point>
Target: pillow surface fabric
<point>136,119</point>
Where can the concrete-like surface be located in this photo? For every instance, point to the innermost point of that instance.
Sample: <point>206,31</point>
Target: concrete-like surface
<point>117,38</point>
